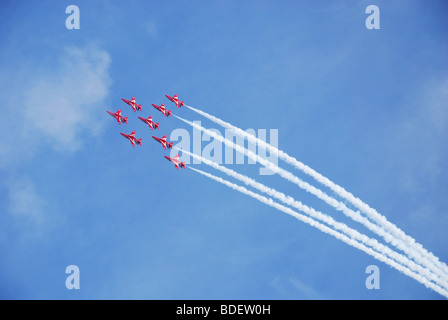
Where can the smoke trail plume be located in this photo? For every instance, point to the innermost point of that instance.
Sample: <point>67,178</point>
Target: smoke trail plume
<point>354,234</point>
<point>417,252</point>
<point>329,231</point>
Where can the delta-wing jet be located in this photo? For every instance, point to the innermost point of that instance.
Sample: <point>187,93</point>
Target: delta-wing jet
<point>117,115</point>
<point>162,109</point>
<point>132,138</point>
<point>149,122</point>
<point>132,103</point>
<point>164,142</point>
<point>176,100</point>
<point>176,161</point>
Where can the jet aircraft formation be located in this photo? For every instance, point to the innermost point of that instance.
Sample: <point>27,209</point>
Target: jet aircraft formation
<point>152,125</point>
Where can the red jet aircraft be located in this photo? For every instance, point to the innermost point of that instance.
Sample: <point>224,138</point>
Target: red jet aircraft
<point>162,109</point>
<point>118,116</point>
<point>164,142</point>
<point>150,123</point>
<point>133,104</point>
<point>176,161</point>
<point>132,138</point>
<point>176,100</point>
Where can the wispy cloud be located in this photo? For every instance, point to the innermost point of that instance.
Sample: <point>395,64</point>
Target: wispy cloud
<point>24,200</point>
<point>308,291</point>
<point>54,105</point>
<point>61,103</point>
<point>25,207</point>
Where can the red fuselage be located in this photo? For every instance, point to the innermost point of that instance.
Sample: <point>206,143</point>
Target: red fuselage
<point>162,109</point>
<point>118,116</point>
<point>164,142</point>
<point>132,103</point>
<point>132,138</point>
<point>176,100</point>
<point>150,123</point>
<point>176,162</point>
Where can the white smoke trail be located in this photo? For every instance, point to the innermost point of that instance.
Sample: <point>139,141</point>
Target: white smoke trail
<point>354,234</point>
<point>329,231</point>
<point>356,216</point>
<point>370,212</point>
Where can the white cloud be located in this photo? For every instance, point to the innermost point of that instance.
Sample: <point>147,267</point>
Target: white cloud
<point>56,105</point>
<point>60,104</point>
<point>23,200</point>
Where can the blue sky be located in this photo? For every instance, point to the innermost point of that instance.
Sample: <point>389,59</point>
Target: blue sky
<point>366,108</point>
